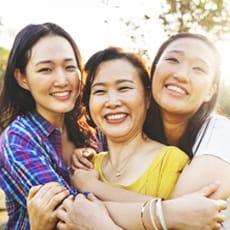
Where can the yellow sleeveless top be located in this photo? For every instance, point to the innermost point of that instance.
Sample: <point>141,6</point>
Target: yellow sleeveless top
<point>159,178</point>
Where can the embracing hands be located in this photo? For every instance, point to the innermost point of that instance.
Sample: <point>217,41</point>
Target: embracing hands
<point>42,205</point>
<point>84,213</point>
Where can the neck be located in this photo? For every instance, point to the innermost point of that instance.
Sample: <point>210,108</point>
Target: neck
<point>119,151</point>
<point>174,127</point>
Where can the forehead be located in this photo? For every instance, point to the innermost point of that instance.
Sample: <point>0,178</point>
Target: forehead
<point>117,69</point>
<point>52,47</point>
<point>192,47</point>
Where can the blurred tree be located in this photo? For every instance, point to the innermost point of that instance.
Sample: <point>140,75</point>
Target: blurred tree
<point>224,99</point>
<point>203,16</point>
<point>3,59</point>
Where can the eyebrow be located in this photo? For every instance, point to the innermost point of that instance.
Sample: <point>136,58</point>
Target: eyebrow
<point>49,61</point>
<point>118,82</point>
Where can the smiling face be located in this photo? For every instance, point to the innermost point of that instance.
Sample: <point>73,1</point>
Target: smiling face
<point>183,79</point>
<point>52,76</point>
<point>117,101</point>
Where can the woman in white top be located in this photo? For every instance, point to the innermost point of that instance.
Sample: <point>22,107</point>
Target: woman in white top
<point>185,84</point>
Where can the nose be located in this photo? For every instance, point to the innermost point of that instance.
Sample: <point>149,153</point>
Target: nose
<point>113,100</point>
<point>60,78</point>
<point>182,74</point>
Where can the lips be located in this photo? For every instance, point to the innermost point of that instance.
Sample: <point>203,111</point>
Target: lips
<point>177,89</point>
<point>61,94</point>
<point>115,117</point>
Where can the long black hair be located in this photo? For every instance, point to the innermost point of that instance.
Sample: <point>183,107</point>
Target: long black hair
<point>15,100</point>
<point>156,128</point>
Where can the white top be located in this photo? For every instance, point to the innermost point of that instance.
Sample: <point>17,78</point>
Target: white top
<point>214,138</point>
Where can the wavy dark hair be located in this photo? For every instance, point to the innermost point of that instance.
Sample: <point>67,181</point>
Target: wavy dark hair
<point>156,128</point>
<point>108,54</point>
<point>15,100</point>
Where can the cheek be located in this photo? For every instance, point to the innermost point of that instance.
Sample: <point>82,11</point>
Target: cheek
<point>93,108</point>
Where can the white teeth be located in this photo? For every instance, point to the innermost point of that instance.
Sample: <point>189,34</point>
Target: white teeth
<point>176,89</point>
<point>61,94</point>
<point>115,116</point>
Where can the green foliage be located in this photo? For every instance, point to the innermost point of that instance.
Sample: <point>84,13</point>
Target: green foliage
<point>208,16</point>
<point>4,53</point>
<point>224,99</point>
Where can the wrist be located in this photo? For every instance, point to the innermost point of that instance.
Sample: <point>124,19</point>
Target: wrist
<point>171,214</point>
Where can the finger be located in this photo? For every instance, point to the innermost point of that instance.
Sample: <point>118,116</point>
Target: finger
<point>61,214</point>
<point>217,226</point>
<point>60,225</point>
<point>220,217</point>
<point>92,197</point>
<point>222,204</point>
<point>79,164</point>
<point>67,202</point>
<point>51,189</point>
<point>88,152</point>
<point>58,199</point>
<point>33,191</point>
<point>86,163</point>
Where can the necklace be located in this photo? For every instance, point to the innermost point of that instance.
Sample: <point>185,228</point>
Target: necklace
<point>119,171</point>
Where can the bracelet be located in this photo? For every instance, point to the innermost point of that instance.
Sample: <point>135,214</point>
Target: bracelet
<point>142,214</point>
<point>151,214</point>
<point>160,215</point>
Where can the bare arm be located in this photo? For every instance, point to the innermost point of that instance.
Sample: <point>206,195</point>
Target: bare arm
<point>201,171</point>
<point>181,213</point>
<point>86,181</point>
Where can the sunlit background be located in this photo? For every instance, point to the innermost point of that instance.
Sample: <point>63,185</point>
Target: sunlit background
<point>94,24</point>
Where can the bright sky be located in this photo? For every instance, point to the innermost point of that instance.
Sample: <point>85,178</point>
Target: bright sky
<point>85,21</point>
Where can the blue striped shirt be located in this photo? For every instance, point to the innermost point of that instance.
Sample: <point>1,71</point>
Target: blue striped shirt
<point>30,154</point>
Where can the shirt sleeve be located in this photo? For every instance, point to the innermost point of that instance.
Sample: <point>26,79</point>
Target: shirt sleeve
<point>24,164</point>
<point>214,140</point>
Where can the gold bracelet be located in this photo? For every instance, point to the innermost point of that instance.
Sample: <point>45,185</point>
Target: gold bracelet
<point>151,213</point>
<point>142,214</point>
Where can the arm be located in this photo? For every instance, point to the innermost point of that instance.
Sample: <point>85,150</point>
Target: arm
<point>182,213</point>
<point>179,213</point>
<point>211,162</point>
<point>87,180</point>
<point>202,170</point>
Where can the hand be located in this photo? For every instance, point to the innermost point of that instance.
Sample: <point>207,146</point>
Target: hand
<point>82,158</point>
<point>42,203</point>
<point>84,213</point>
<point>195,211</point>
<point>84,180</point>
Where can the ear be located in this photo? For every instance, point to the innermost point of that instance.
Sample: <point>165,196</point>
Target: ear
<point>210,93</point>
<point>21,79</point>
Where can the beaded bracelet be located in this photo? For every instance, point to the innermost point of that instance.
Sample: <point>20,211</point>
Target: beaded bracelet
<point>160,215</point>
<point>142,214</point>
<point>151,214</point>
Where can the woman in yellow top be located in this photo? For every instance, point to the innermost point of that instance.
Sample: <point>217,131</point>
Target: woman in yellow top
<point>117,97</point>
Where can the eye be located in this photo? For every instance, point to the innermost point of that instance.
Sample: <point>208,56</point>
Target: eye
<point>124,88</point>
<point>172,60</point>
<point>200,69</point>
<point>71,68</point>
<point>45,70</point>
<point>98,92</point>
